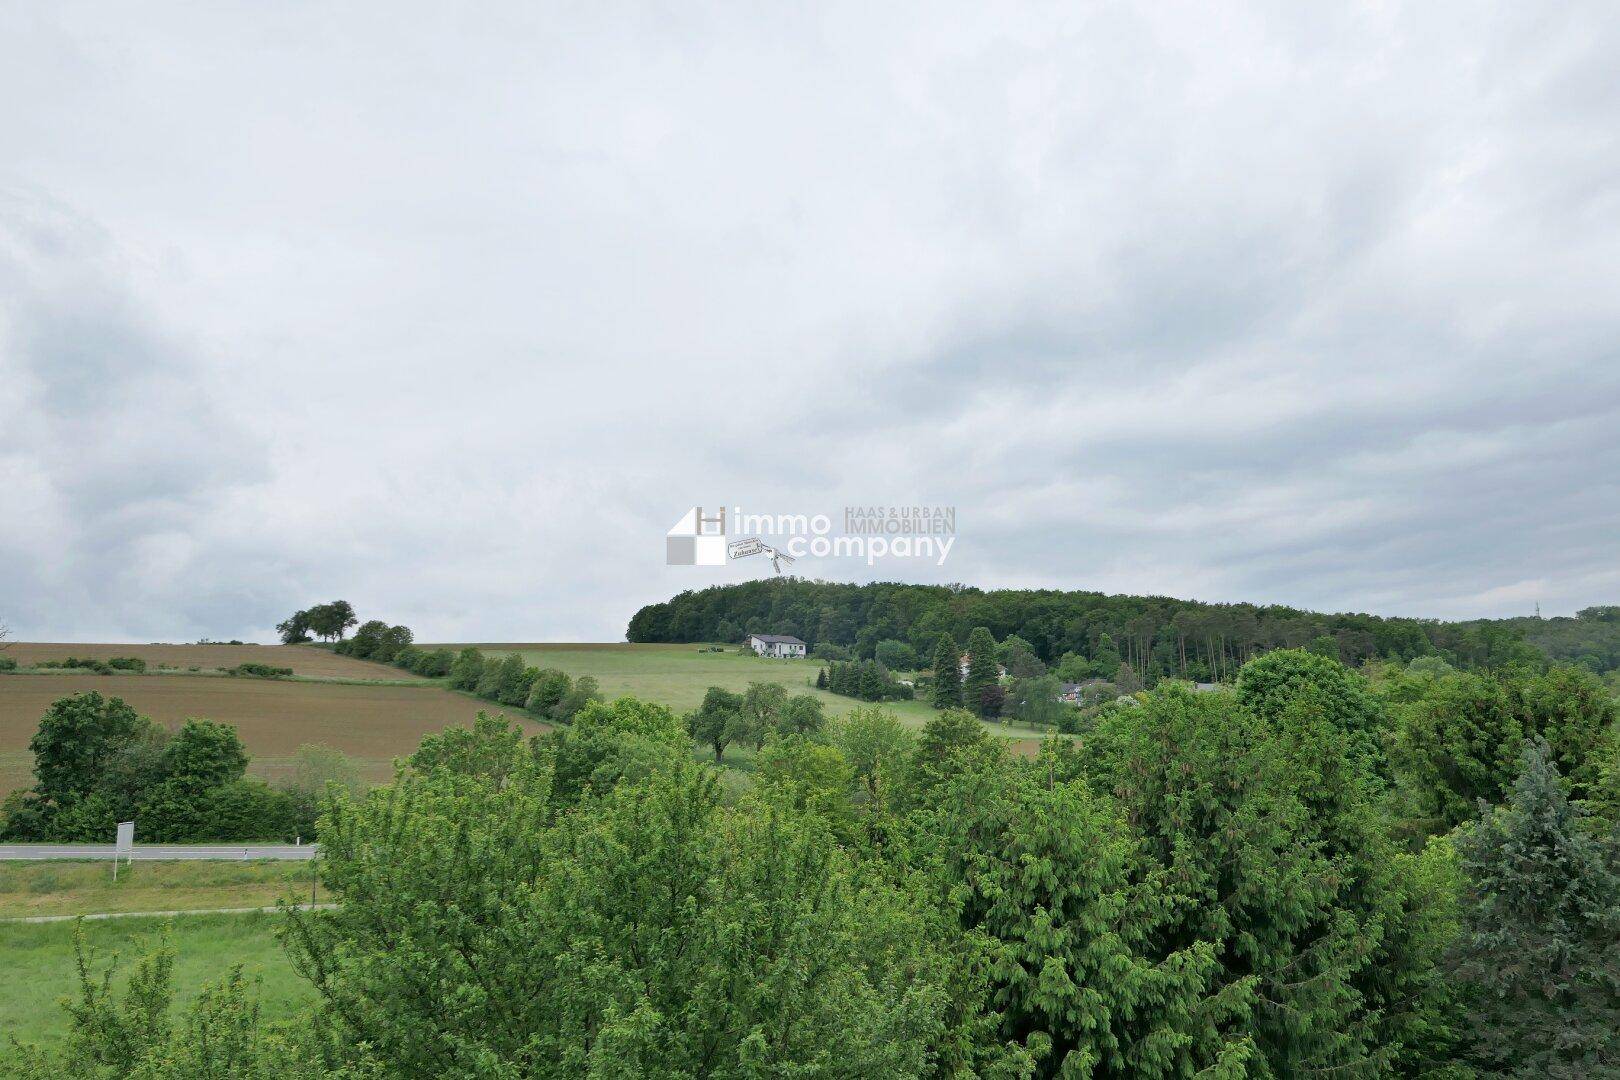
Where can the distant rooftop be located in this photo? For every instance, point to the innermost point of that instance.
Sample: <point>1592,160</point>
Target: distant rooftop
<point>776,639</point>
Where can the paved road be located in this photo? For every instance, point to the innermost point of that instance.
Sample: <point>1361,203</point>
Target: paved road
<point>156,852</point>
<point>162,914</point>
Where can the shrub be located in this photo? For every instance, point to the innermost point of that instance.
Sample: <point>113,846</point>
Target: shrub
<point>260,671</point>
<point>128,663</point>
<point>433,665</point>
<point>7,664</point>
<point>77,663</point>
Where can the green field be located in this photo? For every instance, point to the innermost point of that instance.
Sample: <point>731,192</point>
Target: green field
<point>678,675</point>
<point>39,968</point>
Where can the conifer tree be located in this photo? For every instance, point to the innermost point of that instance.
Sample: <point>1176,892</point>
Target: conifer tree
<point>1539,951</point>
<point>947,674</point>
<point>983,671</point>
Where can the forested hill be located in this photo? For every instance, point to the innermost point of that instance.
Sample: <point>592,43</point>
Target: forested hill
<point>1156,635</point>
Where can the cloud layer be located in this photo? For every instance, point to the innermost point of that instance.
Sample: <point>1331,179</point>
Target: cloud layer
<point>453,315</point>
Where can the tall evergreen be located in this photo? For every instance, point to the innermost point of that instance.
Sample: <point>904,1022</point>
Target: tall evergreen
<point>1539,951</point>
<point>984,671</point>
<point>947,674</point>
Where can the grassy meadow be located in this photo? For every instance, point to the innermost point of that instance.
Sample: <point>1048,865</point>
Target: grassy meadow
<point>86,887</point>
<point>678,676</point>
<point>39,967</point>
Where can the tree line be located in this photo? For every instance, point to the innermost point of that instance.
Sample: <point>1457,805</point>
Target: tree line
<point>1226,884</point>
<point>1156,636</point>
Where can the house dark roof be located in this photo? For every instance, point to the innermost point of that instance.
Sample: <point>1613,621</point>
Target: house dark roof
<point>776,639</point>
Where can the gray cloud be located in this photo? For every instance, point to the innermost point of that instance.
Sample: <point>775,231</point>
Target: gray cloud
<point>454,316</point>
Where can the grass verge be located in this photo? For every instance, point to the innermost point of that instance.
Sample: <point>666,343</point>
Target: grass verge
<point>85,887</point>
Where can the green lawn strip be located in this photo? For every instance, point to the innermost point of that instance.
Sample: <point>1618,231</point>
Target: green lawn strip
<point>85,887</point>
<point>37,966</point>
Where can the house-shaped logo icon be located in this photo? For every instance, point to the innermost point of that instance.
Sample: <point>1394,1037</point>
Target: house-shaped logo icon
<point>697,540</point>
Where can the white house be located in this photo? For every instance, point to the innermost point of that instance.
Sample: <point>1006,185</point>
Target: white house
<point>784,648</point>
<point>967,662</point>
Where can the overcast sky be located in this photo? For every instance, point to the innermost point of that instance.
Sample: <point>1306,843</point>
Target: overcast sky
<point>452,311</point>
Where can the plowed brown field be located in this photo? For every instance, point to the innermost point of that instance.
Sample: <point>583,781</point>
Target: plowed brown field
<point>316,663</point>
<point>372,724</point>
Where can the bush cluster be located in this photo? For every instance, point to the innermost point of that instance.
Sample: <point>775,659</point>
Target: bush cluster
<point>260,671</point>
<point>100,667</point>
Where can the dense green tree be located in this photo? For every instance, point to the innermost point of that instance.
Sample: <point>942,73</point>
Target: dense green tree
<point>368,640</point>
<point>717,721</point>
<point>947,674</point>
<point>1018,657</point>
<point>330,621</point>
<point>878,748</point>
<point>489,752</point>
<point>1573,710</point>
<point>804,715</point>
<point>101,763</point>
<point>1081,976</point>
<point>1539,952</point>
<point>609,743</point>
<point>435,664</point>
<point>809,776</point>
<point>1036,701</point>
<point>550,686</point>
<point>952,742</point>
<point>78,737</point>
<point>204,754</point>
<point>498,673</point>
<point>983,672</point>
<point>467,670</point>
<point>1457,743</point>
<point>896,655</point>
<point>657,935</point>
<point>582,693</point>
<point>1268,823</point>
<point>764,707</point>
<point>294,629</point>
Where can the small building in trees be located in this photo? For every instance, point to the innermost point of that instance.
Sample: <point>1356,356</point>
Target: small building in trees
<point>967,662</point>
<point>783,647</point>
